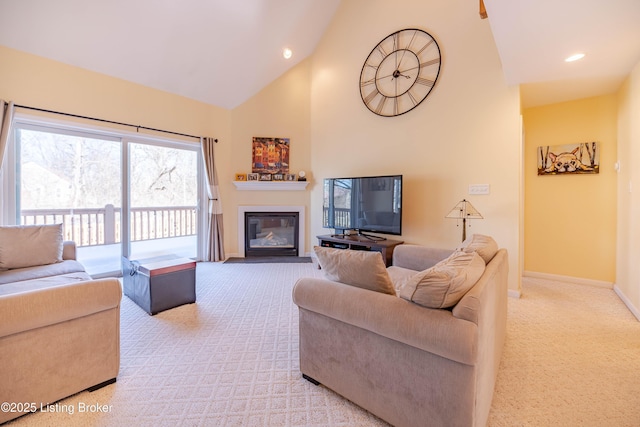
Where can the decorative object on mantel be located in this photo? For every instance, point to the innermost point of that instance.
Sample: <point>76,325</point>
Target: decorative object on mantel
<point>569,159</point>
<point>290,177</point>
<point>464,210</point>
<point>270,155</point>
<point>241,177</point>
<point>302,176</point>
<point>265,177</point>
<point>253,177</point>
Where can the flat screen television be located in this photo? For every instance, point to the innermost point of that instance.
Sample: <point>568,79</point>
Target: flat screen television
<point>364,204</point>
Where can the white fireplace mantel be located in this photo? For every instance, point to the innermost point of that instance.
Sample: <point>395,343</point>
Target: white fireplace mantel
<point>270,208</point>
<point>271,185</point>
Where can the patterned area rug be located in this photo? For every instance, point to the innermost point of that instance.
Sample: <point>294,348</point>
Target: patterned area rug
<point>230,359</point>
<point>572,358</point>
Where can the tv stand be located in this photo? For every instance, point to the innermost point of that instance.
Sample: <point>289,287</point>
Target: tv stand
<point>370,237</point>
<point>360,243</point>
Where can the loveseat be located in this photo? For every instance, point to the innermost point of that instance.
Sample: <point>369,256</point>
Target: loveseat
<point>389,350</point>
<point>59,329</point>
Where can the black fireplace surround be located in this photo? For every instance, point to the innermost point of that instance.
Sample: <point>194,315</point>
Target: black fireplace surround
<point>271,234</point>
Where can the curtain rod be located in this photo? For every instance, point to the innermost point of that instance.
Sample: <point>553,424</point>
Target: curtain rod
<point>108,121</point>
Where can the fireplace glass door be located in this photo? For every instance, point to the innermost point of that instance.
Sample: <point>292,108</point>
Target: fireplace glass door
<point>271,234</point>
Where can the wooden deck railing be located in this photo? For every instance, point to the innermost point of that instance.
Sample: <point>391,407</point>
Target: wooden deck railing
<point>101,226</point>
<point>342,217</point>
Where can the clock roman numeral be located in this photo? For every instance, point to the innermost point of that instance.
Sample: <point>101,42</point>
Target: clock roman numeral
<point>424,47</point>
<point>423,81</point>
<point>371,96</point>
<point>413,99</point>
<point>413,37</point>
<point>430,62</point>
<point>367,82</point>
<point>380,105</point>
<point>375,67</point>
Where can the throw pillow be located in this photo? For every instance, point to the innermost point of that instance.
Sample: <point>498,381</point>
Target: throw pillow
<point>444,284</point>
<point>30,245</point>
<point>362,269</point>
<point>485,246</point>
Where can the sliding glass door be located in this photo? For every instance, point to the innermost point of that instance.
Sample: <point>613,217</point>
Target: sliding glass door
<point>163,196</point>
<point>114,194</point>
<point>72,178</point>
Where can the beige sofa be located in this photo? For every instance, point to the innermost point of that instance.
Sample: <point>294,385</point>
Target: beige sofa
<point>59,332</point>
<point>408,364</point>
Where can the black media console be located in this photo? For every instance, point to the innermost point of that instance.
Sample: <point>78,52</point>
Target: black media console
<point>360,243</point>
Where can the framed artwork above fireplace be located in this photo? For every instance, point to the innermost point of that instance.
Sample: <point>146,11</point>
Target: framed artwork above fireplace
<point>270,155</point>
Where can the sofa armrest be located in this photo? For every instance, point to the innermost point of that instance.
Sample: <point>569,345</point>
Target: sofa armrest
<point>68,250</point>
<point>417,257</point>
<point>432,330</point>
<point>24,311</point>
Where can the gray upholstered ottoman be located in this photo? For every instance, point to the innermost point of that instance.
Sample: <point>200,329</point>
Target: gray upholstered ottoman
<point>158,284</point>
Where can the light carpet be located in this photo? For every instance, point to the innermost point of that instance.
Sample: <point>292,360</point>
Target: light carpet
<point>268,259</point>
<point>572,358</point>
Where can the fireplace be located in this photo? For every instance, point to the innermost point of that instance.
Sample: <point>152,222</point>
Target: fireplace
<point>270,234</point>
<point>271,231</point>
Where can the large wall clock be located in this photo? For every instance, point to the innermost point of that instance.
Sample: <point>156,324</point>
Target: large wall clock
<point>400,72</point>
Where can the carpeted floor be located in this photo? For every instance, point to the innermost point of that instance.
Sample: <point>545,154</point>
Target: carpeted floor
<point>572,358</point>
<point>268,260</point>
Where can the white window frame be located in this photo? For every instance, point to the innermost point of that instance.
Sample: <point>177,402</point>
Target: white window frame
<point>9,186</point>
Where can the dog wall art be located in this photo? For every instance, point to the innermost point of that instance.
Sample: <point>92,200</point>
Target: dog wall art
<point>569,159</point>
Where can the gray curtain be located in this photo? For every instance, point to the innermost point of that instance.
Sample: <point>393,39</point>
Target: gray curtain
<point>215,241</point>
<point>6,116</point>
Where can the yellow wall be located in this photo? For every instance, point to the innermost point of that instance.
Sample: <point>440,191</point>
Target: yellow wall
<point>628,246</point>
<point>466,132</point>
<point>280,110</point>
<point>38,82</point>
<point>570,220</point>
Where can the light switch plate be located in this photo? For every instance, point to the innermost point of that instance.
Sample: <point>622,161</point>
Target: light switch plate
<point>479,189</point>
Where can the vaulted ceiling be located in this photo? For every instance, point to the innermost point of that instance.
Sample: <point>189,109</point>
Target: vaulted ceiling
<point>223,52</point>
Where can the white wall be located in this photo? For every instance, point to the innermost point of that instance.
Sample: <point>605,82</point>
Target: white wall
<point>628,232</point>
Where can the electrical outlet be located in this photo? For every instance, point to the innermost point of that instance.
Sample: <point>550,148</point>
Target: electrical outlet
<point>479,189</point>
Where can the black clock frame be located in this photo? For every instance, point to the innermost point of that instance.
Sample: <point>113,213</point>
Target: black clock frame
<point>376,94</point>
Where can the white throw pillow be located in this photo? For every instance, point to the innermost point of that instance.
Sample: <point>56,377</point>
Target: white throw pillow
<point>485,246</point>
<point>30,245</point>
<point>444,284</point>
<point>362,269</point>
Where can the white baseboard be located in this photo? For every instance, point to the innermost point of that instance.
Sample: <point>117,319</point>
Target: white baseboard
<point>569,279</point>
<point>589,282</point>
<point>627,302</point>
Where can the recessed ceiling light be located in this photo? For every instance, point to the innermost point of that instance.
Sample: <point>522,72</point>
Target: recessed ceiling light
<point>286,52</point>
<point>574,57</point>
